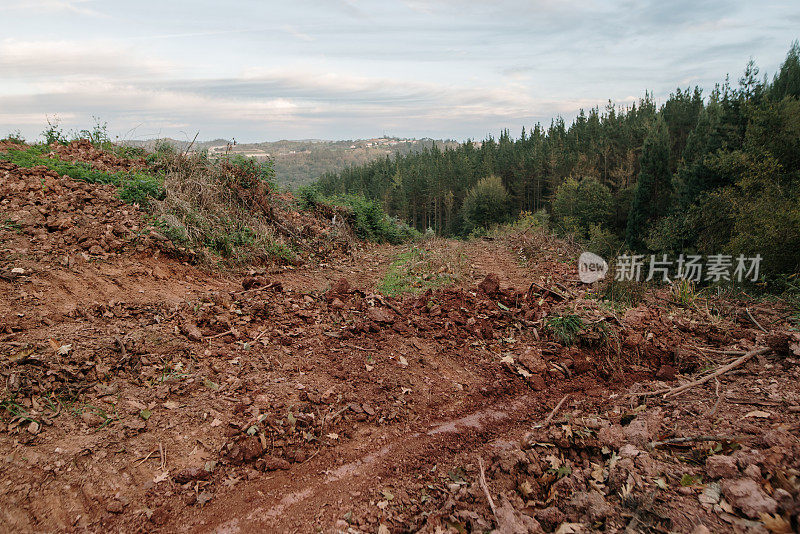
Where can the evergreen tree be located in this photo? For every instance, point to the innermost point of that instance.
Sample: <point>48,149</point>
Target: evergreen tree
<point>653,189</point>
<point>787,81</point>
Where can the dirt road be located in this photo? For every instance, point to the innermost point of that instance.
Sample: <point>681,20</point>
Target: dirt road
<point>143,393</point>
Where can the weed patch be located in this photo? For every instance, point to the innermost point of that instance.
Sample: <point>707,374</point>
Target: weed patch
<point>565,328</point>
<point>366,217</point>
<point>419,269</point>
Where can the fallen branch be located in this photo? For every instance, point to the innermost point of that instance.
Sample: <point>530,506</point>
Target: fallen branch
<point>721,371</point>
<point>713,410</point>
<point>188,148</point>
<point>547,290</point>
<point>754,320</point>
<point>555,411</point>
<point>668,392</point>
<point>220,334</point>
<point>718,351</point>
<point>486,488</point>
<point>693,439</point>
<point>385,302</point>
<point>359,348</point>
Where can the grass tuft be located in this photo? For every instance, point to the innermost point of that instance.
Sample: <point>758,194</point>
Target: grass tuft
<point>565,328</point>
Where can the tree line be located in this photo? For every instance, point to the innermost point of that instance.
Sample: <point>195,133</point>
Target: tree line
<point>708,174</point>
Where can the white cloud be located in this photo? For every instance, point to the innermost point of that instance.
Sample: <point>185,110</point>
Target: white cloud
<point>77,7</point>
<point>32,60</point>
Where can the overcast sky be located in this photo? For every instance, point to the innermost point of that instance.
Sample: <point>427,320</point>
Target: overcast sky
<point>344,69</point>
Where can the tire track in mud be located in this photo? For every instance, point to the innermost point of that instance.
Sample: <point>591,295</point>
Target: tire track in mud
<point>315,494</point>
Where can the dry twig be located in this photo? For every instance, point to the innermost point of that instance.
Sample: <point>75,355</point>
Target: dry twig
<point>555,411</point>
<point>486,488</point>
<point>668,392</point>
<point>693,439</point>
<point>750,315</point>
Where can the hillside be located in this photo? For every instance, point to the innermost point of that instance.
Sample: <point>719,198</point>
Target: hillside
<point>299,163</point>
<point>700,173</point>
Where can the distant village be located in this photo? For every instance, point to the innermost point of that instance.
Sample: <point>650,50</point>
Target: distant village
<point>258,152</point>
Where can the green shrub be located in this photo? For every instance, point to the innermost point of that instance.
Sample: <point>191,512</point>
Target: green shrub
<point>247,172</point>
<point>308,196</point>
<point>98,135</point>
<point>54,133</point>
<point>15,137</point>
<point>624,293</point>
<point>578,204</point>
<point>485,204</point>
<point>141,188</point>
<point>128,152</point>
<point>36,155</point>
<point>369,221</point>
<point>603,242</point>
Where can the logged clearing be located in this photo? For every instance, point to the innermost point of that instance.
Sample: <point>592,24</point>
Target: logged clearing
<point>489,389</point>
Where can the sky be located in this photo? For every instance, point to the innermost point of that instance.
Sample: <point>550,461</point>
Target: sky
<point>349,69</point>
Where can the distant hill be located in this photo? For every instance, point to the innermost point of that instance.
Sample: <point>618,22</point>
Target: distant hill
<point>302,162</point>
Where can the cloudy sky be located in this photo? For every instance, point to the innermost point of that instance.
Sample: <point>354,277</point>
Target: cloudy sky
<point>343,69</point>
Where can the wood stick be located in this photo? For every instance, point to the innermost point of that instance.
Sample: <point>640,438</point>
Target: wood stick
<point>693,439</point>
<point>718,351</point>
<point>754,320</point>
<point>486,488</point>
<point>188,148</point>
<point>555,410</point>
<point>551,291</point>
<point>713,410</point>
<point>220,334</point>
<point>722,370</point>
<point>359,348</point>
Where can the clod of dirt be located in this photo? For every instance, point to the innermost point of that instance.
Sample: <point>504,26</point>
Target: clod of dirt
<point>784,343</point>
<point>251,282</point>
<point>746,495</point>
<point>115,507</point>
<point>721,466</point>
<point>490,285</point>
<point>379,315</point>
<point>533,361</point>
<point>191,474</point>
<point>338,290</point>
<point>666,373</point>
<point>191,331</point>
<point>590,505</point>
<point>509,521</point>
<point>272,463</point>
<point>243,450</point>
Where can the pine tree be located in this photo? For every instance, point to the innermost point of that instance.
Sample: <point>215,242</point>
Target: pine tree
<point>787,81</point>
<point>653,190</point>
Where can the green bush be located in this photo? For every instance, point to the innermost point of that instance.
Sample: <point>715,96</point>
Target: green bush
<point>36,155</point>
<point>247,172</point>
<point>54,133</point>
<point>15,137</point>
<point>365,216</point>
<point>603,242</point>
<point>579,204</point>
<point>565,328</point>
<point>485,204</point>
<point>370,222</point>
<point>98,135</point>
<point>141,188</point>
<point>308,196</point>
